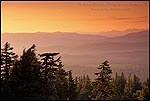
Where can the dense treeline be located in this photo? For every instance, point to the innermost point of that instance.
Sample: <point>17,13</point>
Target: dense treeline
<point>42,77</point>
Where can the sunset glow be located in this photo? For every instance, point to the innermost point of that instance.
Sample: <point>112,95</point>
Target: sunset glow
<point>75,50</point>
<point>25,16</point>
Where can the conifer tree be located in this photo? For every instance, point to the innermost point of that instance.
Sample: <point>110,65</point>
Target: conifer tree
<point>48,72</point>
<point>72,94</point>
<point>23,75</point>
<point>61,82</point>
<point>7,59</point>
<point>103,86</point>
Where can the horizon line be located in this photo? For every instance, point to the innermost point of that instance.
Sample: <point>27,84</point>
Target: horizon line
<point>82,32</point>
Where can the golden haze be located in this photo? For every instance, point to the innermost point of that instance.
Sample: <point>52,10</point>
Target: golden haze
<point>50,16</point>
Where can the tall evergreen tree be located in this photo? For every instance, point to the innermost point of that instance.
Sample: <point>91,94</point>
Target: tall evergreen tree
<point>61,82</point>
<point>72,94</point>
<point>22,75</point>
<point>7,59</point>
<point>48,72</point>
<point>103,86</point>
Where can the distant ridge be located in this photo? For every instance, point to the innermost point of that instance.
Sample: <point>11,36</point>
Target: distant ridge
<point>87,50</point>
<point>113,33</point>
<point>136,36</point>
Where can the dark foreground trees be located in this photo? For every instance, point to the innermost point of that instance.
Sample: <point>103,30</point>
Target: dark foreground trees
<point>32,77</point>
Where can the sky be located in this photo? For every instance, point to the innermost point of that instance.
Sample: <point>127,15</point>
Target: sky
<point>73,16</point>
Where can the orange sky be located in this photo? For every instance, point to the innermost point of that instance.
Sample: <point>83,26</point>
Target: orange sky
<point>71,16</point>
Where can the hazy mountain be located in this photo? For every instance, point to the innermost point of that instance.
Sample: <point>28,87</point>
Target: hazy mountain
<point>115,33</point>
<point>56,38</point>
<point>83,53</point>
<point>135,37</point>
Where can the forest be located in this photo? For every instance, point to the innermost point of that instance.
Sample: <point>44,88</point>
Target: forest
<point>33,76</point>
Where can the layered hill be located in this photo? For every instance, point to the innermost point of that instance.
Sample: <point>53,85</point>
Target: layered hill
<point>82,53</point>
